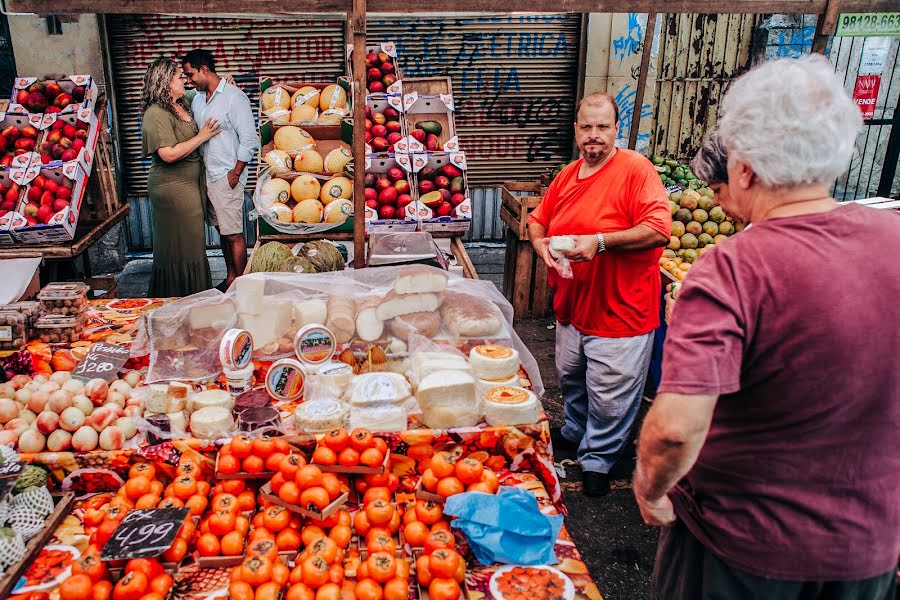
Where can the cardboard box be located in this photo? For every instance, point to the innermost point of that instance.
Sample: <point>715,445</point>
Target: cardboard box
<point>431,108</point>
<point>380,165</point>
<point>449,224</point>
<point>378,104</point>
<point>282,118</point>
<point>389,48</point>
<point>9,217</point>
<point>83,119</point>
<point>61,227</point>
<point>66,85</point>
<point>19,122</point>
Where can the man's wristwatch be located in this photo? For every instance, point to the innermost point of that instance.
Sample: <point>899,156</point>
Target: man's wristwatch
<point>601,243</point>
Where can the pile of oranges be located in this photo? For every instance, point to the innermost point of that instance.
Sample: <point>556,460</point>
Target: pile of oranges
<point>354,449</point>
<point>306,486</point>
<point>244,454</point>
<point>446,476</point>
<point>441,571</point>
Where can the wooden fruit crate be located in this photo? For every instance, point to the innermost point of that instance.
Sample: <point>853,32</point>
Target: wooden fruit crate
<point>525,274</point>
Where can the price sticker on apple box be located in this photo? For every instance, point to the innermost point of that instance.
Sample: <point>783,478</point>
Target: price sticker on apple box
<point>144,534</point>
<point>9,475</point>
<point>102,361</point>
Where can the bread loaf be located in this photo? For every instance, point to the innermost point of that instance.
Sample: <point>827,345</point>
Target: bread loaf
<point>465,315</point>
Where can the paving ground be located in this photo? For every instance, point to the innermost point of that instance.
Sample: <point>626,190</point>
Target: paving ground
<point>617,547</point>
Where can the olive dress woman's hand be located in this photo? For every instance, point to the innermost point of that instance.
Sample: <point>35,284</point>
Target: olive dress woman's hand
<point>209,130</point>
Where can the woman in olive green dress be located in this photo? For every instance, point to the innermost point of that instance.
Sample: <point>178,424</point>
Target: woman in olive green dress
<point>176,183</point>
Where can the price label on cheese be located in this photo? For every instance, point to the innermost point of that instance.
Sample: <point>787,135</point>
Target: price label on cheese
<point>9,475</point>
<point>144,534</point>
<point>102,361</point>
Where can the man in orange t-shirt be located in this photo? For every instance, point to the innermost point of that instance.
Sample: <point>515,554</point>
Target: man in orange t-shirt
<point>613,204</point>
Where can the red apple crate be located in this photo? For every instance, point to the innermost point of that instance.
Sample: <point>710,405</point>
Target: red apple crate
<point>85,155</point>
<point>430,108</point>
<point>66,85</point>
<point>388,48</point>
<point>62,226</point>
<point>266,492</point>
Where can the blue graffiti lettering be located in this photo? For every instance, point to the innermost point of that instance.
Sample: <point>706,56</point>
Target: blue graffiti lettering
<point>792,43</point>
<point>628,45</point>
<point>625,99</point>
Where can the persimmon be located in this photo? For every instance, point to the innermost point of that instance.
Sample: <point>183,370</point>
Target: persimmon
<point>332,485</point>
<point>299,591</point>
<point>444,563</point>
<point>233,486</point>
<point>361,439</point>
<point>280,573</point>
<point>189,467</point>
<point>196,504</point>
<point>256,570</point>
<point>267,591</point>
<point>308,476</point>
<point>490,479</point>
<point>263,446</point>
<point>379,512</point>
<point>380,543</point>
<point>439,539</point>
<point>449,486</point>
<point>419,452</point>
<point>277,481</point>
<point>311,533</point>
<point>276,518</point>
<point>136,487</point>
<point>348,457</point>
<point>142,469</point>
<point>208,545</point>
<point>147,501</point>
<point>288,539</point>
<point>148,566</point>
<point>229,464</point>
<point>415,533</point>
<point>264,548</point>
<point>281,445</point>
<point>381,445</point>
<point>315,571</point>
<point>171,502</point>
<point>443,464</point>
<point>368,589</point>
<point>221,522</point>
<point>341,534</point>
<point>396,589</point>
<point>247,500</point>
<point>241,446</point>
<point>314,498</point>
<point>102,590</point>
<point>273,460</point>
<point>403,568</point>
<point>428,512</point>
<point>371,457</point>
<point>329,591</point>
<point>232,544</point>
<point>226,502</point>
<point>91,565</point>
<point>423,570</point>
<point>131,587</point>
<point>176,551</point>
<point>323,455</point>
<point>430,480</point>
<point>361,523</point>
<point>289,492</point>
<point>161,584</point>
<point>336,439</point>
<point>157,488</point>
<point>381,566</point>
<point>469,470</point>
<point>240,590</point>
<point>444,589</point>
<point>253,464</point>
<point>376,493</point>
<point>290,464</point>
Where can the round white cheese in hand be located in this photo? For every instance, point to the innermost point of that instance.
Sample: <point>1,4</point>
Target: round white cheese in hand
<point>510,406</point>
<point>494,362</point>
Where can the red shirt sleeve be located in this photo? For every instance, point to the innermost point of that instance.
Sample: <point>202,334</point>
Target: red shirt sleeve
<point>651,203</point>
<point>705,341</point>
<point>544,211</point>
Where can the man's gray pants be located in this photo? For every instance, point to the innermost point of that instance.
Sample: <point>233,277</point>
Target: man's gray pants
<point>601,380</point>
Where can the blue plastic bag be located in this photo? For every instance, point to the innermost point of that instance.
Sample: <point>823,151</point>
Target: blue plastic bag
<point>505,528</point>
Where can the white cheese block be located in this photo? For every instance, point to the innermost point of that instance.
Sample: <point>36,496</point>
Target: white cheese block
<point>336,374</point>
<point>320,415</point>
<point>417,279</point>
<point>179,390</point>
<point>382,418</point>
<point>379,388</point>
<point>211,423</point>
<point>510,406</point>
<point>178,421</point>
<point>492,361</point>
<point>211,399</point>
<point>426,363</point>
<point>159,400</point>
<point>249,295</point>
<point>212,315</point>
<point>273,324</point>
<point>394,304</point>
<point>310,312</point>
<point>489,384</point>
<point>449,399</point>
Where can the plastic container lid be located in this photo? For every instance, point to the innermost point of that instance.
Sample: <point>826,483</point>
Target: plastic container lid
<point>314,344</point>
<point>236,349</point>
<point>286,379</point>
<point>63,291</point>
<point>264,417</point>
<point>59,321</point>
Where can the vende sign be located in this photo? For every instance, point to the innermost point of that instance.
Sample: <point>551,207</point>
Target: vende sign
<point>866,93</point>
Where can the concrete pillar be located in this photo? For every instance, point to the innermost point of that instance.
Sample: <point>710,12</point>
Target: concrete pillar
<point>76,52</point>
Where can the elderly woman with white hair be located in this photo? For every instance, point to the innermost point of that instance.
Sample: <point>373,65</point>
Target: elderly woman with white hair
<point>771,456</point>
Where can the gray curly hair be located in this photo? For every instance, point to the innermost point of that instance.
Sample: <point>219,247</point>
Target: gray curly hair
<point>157,85</point>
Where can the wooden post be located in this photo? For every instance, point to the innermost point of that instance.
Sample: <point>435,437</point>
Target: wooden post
<point>357,19</point>
<point>826,25</point>
<point>642,81</point>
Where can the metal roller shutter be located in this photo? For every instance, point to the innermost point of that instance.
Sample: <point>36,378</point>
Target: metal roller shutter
<point>514,83</point>
<point>310,48</point>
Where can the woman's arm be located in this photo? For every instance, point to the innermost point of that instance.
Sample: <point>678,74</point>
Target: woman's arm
<point>175,153</point>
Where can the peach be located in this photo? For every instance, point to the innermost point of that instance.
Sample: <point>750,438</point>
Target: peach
<point>38,401</point>
<point>61,377</point>
<point>27,416</point>
<point>31,440</point>
<point>133,378</point>
<point>114,397</point>
<point>17,425</point>
<point>47,422</point>
<point>84,404</point>
<point>96,390</point>
<point>59,401</point>
<point>23,395</point>
<point>49,387</point>
<point>102,418</point>
<point>112,438</point>
<point>9,410</point>
<point>59,441</point>
<point>7,391</point>
<point>85,439</point>
<point>8,437</point>
<point>133,411</point>
<point>19,381</point>
<point>71,419</point>
<point>75,386</point>
<point>128,426</point>
<point>122,387</point>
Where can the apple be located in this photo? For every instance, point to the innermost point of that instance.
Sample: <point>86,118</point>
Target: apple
<point>383,57</point>
<point>382,184</point>
<point>34,193</point>
<point>45,213</point>
<point>368,136</point>
<point>11,133</point>
<point>31,209</point>
<point>379,130</point>
<point>371,60</point>
<point>388,196</point>
<point>393,138</point>
<point>450,171</point>
<point>26,144</point>
<point>377,87</point>
<point>371,194</point>
<point>378,119</point>
<point>374,74</point>
<point>418,135</point>
<point>445,194</point>
<point>63,193</point>
<point>396,174</point>
<point>60,204</point>
<point>403,200</point>
<point>393,126</point>
<point>50,185</point>
<point>369,124</point>
<point>47,198</point>
<point>69,155</point>
<point>58,125</point>
<point>52,89</point>
<point>444,209</point>
<point>68,131</point>
<point>53,137</point>
<point>457,199</point>
<point>22,97</point>
<point>392,113</point>
<point>426,186</point>
<point>29,131</point>
<point>389,80</point>
<point>78,93</point>
<point>373,204</point>
<point>77,145</point>
<point>370,179</point>
<point>441,181</point>
<point>387,212</point>
<point>402,186</point>
<point>379,144</point>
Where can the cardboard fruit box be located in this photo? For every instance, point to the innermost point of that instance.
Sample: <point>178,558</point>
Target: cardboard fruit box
<point>436,114</point>
<point>69,138</point>
<point>376,55</point>
<point>66,95</point>
<point>385,125</point>
<point>433,211</point>
<point>30,227</point>
<point>282,117</point>
<point>380,168</point>
<point>19,138</point>
<point>10,198</point>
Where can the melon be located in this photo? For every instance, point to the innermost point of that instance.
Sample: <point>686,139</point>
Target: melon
<point>305,187</point>
<point>293,139</point>
<point>307,95</point>
<point>331,117</point>
<point>279,160</point>
<point>268,256</point>
<point>304,113</point>
<point>276,97</point>
<point>338,211</point>
<point>308,211</point>
<point>334,188</point>
<point>296,264</point>
<point>309,161</point>
<point>337,160</point>
<point>281,213</point>
<point>333,96</point>
<point>275,190</point>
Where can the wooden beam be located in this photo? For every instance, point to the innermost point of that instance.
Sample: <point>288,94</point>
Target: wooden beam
<point>826,25</point>
<point>357,20</point>
<point>212,7</point>
<point>649,32</point>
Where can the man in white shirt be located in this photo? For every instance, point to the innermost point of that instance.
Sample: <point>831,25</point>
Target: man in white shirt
<point>226,156</point>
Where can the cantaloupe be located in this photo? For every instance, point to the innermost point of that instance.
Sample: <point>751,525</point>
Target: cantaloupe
<point>309,161</point>
<point>338,211</point>
<point>276,96</point>
<point>281,213</point>
<point>293,139</point>
<point>308,95</point>
<point>335,188</point>
<point>305,187</point>
<point>331,117</point>
<point>333,96</point>
<point>308,211</point>
<point>275,190</point>
<point>279,160</point>
<point>303,113</point>
<point>337,159</point>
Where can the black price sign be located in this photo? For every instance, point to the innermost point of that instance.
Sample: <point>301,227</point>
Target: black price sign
<point>9,475</point>
<point>144,534</point>
<point>102,361</point>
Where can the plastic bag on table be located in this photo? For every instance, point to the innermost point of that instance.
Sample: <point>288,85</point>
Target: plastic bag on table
<point>428,356</point>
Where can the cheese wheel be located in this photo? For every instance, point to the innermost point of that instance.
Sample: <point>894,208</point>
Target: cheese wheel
<point>379,388</point>
<point>159,400</point>
<point>510,406</point>
<point>212,422</point>
<point>336,374</point>
<point>318,416</point>
<point>489,384</point>
<point>388,417</point>
<point>492,361</point>
<point>211,399</point>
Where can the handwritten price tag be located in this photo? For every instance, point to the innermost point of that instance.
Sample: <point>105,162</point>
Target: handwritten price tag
<point>144,533</point>
<point>102,361</point>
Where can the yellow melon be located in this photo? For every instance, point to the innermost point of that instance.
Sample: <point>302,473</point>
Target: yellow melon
<point>275,191</point>
<point>308,211</point>
<point>333,96</point>
<point>279,160</point>
<point>332,117</point>
<point>293,139</point>
<point>282,213</point>
<point>307,95</point>
<point>275,96</point>
<point>309,161</point>
<point>305,187</point>
<point>335,188</point>
<point>338,211</point>
<point>337,159</point>
<point>303,113</point>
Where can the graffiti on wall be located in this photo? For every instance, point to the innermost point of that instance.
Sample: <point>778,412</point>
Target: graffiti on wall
<point>625,99</point>
<point>790,43</point>
<point>630,43</point>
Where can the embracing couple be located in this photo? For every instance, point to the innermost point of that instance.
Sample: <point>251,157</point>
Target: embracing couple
<point>214,121</point>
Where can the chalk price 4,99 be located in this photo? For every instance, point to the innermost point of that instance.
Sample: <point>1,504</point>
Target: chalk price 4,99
<point>144,533</point>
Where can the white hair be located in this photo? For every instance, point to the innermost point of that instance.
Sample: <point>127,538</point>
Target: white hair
<point>791,122</point>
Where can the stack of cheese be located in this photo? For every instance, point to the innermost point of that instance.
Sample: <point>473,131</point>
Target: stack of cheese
<point>446,390</point>
<point>269,320</point>
<point>320,416</point>
<point>495,365</point>
<point>377,401</point>
<point>208,413</point>
<point>169,402</point>
<point>414,299</point>
<point>211,414</point>
<point>505,402</point>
